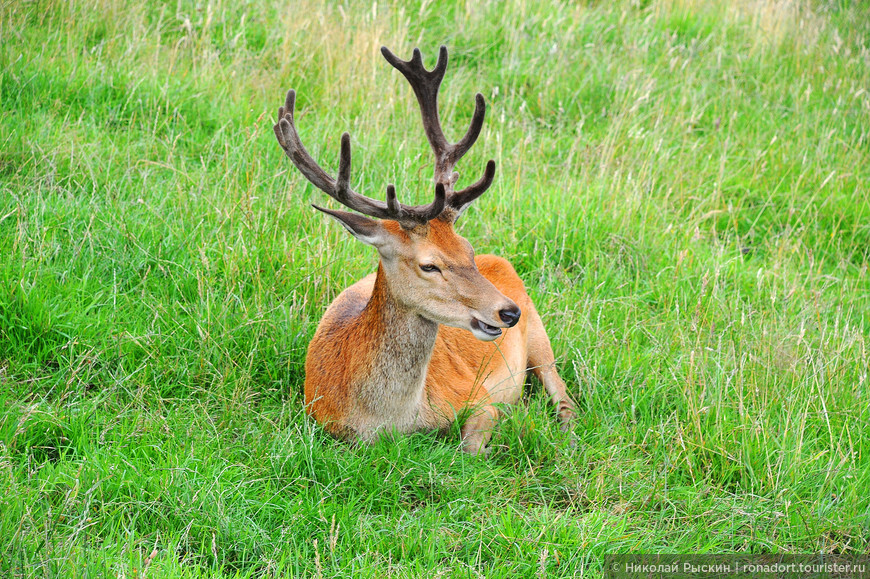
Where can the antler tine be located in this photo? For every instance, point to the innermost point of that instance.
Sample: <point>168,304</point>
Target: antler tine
<point>464,144</point>
<point>288,138</point>
<point>417,213</point>
<point>339,189</point>
<point>426,84</point>
<point>461,199</point>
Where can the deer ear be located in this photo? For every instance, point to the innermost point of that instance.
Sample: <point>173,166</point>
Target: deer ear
<point>369,231</point>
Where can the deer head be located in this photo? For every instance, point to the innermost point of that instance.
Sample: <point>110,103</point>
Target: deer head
<point>429,268</point>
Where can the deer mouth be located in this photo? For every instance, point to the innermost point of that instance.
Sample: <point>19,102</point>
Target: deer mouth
<point>479,327</point>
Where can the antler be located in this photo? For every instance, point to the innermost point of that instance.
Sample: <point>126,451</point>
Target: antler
<point>425,84</point>
<point>339,189</point>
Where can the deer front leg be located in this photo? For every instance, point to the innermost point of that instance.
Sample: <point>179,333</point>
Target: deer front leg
<point>542,363</point>
<point>477,431</point>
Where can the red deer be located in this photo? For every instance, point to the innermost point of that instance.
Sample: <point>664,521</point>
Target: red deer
<point>436,332</point>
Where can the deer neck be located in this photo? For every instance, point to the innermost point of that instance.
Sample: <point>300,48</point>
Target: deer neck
<point>403,347</point>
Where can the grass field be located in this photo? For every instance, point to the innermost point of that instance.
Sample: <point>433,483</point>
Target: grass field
<point>683,185</point>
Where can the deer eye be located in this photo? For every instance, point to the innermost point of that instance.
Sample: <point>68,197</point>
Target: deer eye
<point>429,268</point>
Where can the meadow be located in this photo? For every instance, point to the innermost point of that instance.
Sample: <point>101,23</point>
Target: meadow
<point>682,184</point>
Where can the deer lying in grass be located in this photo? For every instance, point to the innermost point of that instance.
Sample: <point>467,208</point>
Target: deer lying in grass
<point>436,332</point>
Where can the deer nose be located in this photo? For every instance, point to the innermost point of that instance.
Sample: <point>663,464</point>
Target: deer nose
<point>510,315</point>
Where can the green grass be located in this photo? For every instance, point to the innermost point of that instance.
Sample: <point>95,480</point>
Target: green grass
<point>682,185</point>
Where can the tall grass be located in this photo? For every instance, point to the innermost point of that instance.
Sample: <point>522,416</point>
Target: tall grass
<point>681,184</point>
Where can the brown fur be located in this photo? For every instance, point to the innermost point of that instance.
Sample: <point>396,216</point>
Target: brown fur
<point>435,331</point>
<point>376,364</point>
